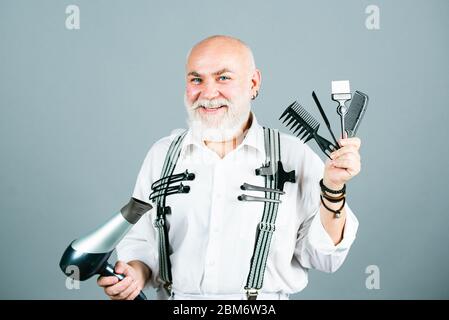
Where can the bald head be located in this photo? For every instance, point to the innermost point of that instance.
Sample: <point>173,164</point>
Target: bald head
<point>220,46</point>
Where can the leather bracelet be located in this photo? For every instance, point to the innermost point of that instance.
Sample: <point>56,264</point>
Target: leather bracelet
<point>333,199</point>
<point>337,212</point>
<point>324,188</point>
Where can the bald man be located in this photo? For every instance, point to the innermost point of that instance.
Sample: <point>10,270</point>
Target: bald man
<point>211,235</point>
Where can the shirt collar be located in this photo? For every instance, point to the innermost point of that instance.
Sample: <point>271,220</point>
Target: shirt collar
<point>254,136</point>
<point>254,139</point>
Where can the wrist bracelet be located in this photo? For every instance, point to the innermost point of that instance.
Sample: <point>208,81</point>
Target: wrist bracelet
<point>324,188</point>
<point>333,199</point>
<point>337,212</point>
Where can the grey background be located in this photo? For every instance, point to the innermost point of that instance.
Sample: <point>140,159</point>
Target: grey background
<point>80,109</point>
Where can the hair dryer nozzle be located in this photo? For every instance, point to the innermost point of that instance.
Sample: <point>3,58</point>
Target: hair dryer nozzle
<point>134,210</point>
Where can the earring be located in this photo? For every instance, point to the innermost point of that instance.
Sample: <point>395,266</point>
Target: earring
<point>255,96</point>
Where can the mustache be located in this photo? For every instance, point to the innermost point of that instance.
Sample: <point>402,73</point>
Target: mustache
<point>212,104</point>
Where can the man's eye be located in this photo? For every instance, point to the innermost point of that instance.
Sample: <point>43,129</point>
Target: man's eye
<point>195,80</point>
<point>224,78</point>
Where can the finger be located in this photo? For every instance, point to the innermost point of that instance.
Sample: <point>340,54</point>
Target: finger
<point>346,157</point>
<point>122,268</point>
<point>350,170</point>
<point>350,141</point>
<point>134,294</point>
<point>107,281</point>
<point>116,297</point>
<point>346,163</point>
<point>345,150</point>
<point>353,172</point>
<point>128,291</point>
<point>356,142</point>
<point>119,287</point>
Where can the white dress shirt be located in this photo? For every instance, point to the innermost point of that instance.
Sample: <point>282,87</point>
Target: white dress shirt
<point>212,234</point>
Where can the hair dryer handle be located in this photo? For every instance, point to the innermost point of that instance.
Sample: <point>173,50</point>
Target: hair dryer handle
<point>109,271</point>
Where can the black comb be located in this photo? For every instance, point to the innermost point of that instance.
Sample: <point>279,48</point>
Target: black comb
<point>355,113</point>
<point>299,119</point>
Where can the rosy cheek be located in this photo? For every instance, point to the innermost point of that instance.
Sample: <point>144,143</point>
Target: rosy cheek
<point>192,92</point>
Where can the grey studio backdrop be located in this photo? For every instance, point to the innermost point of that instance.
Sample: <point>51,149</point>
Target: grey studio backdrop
<point>80,108</point>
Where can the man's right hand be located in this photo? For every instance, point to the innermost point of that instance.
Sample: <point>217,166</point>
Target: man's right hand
<point>129,287</point>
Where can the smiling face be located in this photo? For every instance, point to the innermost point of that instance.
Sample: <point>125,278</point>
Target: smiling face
<point>220,81</point>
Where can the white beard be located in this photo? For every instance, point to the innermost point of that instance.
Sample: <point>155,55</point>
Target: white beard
<point>217,128</point>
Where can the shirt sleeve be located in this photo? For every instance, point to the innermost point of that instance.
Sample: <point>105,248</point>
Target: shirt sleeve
<point>140,243</point>
<point>314,247</point>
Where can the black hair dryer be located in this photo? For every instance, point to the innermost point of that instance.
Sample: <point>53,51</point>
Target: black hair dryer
<point>90,253</point>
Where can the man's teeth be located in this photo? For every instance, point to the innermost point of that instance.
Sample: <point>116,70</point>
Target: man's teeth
<point>214,107</point>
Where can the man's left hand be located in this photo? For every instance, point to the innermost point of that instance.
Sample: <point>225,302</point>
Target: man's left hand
<point>345,164</point>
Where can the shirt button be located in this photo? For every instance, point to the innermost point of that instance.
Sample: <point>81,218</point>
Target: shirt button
<point>215,229</point>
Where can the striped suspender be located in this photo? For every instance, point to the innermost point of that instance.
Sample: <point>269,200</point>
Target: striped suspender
<point>266,226</point>
<point>167,170</point>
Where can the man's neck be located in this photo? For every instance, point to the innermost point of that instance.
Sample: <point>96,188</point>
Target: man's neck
<point>222,148</point>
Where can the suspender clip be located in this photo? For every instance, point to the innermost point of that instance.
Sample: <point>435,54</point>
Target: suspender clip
<point>251,293</point>
<point>266,170</point>
<point>284,176</point>
<point>168,289</point>
<point>163,211</point>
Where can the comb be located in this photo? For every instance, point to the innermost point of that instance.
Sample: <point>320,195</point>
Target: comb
<point>355,113</point>
<point>299,120</point>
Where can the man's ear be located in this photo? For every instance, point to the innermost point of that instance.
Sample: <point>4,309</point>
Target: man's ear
<point>256,80</point>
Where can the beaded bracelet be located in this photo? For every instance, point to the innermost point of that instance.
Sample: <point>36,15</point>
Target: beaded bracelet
<point>324,188</point>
